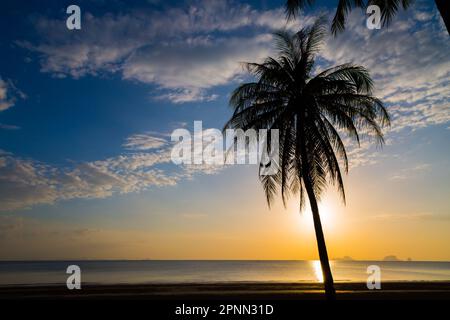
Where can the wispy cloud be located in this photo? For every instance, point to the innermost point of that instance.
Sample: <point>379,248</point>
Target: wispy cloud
<point>25,183</point>
<point>8,127</point>
<point>409,62</point>
<point>408,173</point>
<point>186,60</point>
<point>9,94</point>
<point>175,51</point>
<point>429,216</point>
<point>145,141</point>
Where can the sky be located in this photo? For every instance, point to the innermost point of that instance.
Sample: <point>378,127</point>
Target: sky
<point>86,117</point>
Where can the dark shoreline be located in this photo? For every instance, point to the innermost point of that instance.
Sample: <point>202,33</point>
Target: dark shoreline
<point>238,290</point>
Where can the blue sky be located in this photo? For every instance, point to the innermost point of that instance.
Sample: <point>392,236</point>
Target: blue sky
<point>85,118</point>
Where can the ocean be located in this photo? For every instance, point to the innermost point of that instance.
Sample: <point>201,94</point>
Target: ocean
<point>202,271</point>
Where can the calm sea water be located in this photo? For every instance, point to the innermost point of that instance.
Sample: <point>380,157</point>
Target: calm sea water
<point>115,272</point>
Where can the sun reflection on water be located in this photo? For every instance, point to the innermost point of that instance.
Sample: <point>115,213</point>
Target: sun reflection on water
<point>318,270</point>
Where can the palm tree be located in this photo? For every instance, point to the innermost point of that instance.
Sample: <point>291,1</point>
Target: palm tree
<point>311,113</point>
<point>388,9</point>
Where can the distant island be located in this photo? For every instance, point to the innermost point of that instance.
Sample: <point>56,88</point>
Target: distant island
<point>388,258</point>
<point>345,258</point>
<point>394,258</point>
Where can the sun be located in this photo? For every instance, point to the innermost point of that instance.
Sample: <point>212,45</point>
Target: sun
<point>303,221</point>
<point>326,215</point>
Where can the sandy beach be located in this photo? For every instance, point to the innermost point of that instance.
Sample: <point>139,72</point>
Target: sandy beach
<point>235,291</point>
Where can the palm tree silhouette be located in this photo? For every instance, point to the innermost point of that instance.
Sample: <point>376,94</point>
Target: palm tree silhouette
<point>309,111</point>
<point>388,9</point>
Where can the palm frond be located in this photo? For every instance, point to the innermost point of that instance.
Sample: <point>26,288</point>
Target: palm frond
<point>294,6</point>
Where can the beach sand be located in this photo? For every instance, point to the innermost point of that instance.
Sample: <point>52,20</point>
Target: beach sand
<point>235,291</point>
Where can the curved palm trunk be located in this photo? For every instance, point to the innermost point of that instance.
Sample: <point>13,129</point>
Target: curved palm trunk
<point>323,255</point>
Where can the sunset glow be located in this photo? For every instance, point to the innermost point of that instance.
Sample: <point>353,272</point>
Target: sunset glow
<point>86,118</point>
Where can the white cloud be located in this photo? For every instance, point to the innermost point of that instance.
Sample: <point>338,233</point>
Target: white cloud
<point>187,95</point>
<point>25,183</point>
<point>145,141</point>
<point>409,62</point>
<point>363,155</point>
<point>8,97</point>
<point>174,51</point>
<point>195,67</point>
